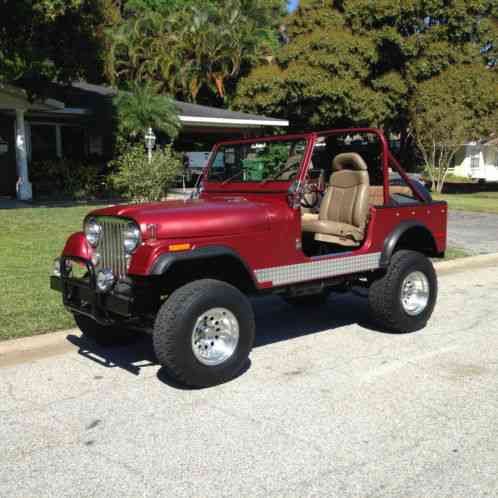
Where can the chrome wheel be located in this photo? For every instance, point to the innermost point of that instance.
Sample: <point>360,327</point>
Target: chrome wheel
<point>215,336</point>
<point>415,293</point>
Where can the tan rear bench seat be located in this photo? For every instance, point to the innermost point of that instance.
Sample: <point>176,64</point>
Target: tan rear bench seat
<point>376,193</point>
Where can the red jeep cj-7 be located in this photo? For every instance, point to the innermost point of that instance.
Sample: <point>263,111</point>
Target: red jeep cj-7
<point>296,215</point>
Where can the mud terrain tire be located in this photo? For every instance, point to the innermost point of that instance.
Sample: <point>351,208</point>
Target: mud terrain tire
<point>386,293</point>
<point>178,319</point>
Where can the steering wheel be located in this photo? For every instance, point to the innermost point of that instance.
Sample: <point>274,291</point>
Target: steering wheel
<point>311,196</point>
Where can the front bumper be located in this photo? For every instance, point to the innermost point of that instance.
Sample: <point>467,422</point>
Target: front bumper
<point>82,296</point>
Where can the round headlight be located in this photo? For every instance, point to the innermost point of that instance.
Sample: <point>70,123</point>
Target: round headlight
<point>92,232</point>
<point>57,267</point>
<point>131,238</point>
<point>105,280</point>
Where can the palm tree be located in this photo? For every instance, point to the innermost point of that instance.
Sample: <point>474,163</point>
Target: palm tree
<point>141,108</point>
<point>191,48</point>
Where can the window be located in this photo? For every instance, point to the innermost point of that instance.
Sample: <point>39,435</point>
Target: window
<point>53,140</point>
<point>475,160</point>
<point>256,162</point>
<point>96,145</point>
<point>73,142</point>
<point>43,142</point>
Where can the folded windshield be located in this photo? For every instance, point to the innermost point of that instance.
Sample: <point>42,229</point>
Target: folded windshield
<point>258,162</point>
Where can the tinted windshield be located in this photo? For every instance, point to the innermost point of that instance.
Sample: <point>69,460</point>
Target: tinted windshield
<point>258,162</point>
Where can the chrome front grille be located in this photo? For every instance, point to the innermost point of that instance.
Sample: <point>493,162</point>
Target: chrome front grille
<point>111,246</point>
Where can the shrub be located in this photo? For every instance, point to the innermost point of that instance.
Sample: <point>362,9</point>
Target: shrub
<point>135,178</point>
<point>452,178</point>
<point>67,178</point>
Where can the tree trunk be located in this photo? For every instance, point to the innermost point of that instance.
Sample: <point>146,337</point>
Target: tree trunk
<point>440,186</point>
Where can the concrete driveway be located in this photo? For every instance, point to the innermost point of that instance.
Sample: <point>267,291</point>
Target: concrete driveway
<point>328,407</point>
<point>477,233</point>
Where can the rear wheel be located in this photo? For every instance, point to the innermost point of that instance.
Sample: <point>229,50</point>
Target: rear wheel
<point>204,332</point>
<point>403,299</point>
<point>101,334</point>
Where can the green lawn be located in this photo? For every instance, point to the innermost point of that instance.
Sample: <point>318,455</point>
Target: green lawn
<point>30,239</point>
<point>454,253</point>
<point>485,202</point>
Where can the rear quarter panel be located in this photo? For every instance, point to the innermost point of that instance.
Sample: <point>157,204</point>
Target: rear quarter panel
<point>434,216</point>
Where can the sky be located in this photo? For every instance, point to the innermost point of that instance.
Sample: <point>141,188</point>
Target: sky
<point>293,5</point>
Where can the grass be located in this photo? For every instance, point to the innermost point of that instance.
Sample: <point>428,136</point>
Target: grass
<point>482,202</point>
<point>454,253</point>
<point>30,239</point>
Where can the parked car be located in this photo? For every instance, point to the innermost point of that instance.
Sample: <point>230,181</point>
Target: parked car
<point>280,215</point>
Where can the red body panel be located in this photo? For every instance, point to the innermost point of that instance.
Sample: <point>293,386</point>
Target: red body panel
<point>255,221</point>
<point>261,230</point>
<point>199,217</point>
<point>77,245</point>
<point>433,216</point>
<point>277,246</point>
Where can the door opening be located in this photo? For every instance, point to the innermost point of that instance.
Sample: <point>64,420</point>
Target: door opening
<point>7,157</point>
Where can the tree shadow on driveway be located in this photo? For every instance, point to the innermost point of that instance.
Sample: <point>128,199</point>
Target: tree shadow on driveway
<point>275,321</point>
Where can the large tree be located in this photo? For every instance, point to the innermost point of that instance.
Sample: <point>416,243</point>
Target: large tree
<point>359,62</point>
<point>44,40</point>
<point>455,107</point>
<point>162,6</point>
<point>193,50</point>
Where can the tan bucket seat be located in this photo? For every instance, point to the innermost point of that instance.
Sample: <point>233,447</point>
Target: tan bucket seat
<point>344,209</point>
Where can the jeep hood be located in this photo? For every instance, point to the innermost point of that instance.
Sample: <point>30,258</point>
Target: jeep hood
<point>195,218</point>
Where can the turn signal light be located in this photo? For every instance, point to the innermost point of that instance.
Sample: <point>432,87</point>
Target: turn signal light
<point>180,247</point>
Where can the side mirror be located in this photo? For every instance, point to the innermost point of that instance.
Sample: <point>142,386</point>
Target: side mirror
<point>196,193</point>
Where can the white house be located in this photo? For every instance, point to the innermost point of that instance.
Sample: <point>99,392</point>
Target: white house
<point>478,161</point>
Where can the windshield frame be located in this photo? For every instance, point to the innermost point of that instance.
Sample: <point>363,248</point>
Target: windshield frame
<point>311,138</point>
<point>269,185</point>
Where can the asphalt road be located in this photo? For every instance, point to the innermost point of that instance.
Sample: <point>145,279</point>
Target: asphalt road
<point>328,407</point>
<point>477,233</point>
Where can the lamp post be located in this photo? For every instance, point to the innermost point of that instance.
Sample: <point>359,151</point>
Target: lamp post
<point>150,142</point>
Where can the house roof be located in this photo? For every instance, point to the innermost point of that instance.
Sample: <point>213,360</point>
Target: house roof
<point>201,114</point>
<point>86,96</point>
<point>12,97</point>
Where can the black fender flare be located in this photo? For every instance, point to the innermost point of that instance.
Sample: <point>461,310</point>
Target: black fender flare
<point>393,238</point>
<point>165,261</point>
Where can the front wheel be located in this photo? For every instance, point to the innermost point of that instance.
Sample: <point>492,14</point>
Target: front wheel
<point>403,299</point>
<point>204,332</point>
